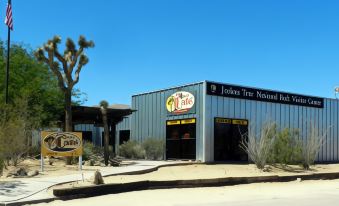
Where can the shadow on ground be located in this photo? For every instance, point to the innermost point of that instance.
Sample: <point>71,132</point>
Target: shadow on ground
<point>12,188</point>
<point>293,169</point>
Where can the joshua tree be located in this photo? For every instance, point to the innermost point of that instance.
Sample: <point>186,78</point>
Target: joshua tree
<point>103,108</point>
<point>63,67</point>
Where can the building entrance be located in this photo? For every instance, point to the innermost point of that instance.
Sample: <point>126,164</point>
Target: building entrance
<point>227,137</point>
<point>181,139</point>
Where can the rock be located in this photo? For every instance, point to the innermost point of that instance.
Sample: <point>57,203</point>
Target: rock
<point>89,163</point>
<point>114,163</point>
<point>86,163</point>
<point>298,179</point>
<point>98,180</point>
<point>51,161</point>
<point>33,173</point>
<point>17,172</point>
<point>97,163</point>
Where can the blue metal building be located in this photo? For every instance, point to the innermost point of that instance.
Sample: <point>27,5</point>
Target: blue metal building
<point>204,120</point>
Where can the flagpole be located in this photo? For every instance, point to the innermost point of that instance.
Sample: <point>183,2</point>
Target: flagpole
<point>7,65</point>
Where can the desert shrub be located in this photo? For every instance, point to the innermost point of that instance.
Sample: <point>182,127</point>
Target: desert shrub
<point>99,151</point>
<point>12,138</point>
<point>154,148</point>
<point>131,149</point>
<point>2,165</point>
<point>286,147</point>
<point>88,150</point>
<point>311,147</point>
<point>34,151</point>
<point>16,124</point>
<point>259,146</point>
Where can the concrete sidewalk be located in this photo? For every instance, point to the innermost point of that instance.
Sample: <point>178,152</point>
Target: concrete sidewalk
<point>31,189</point>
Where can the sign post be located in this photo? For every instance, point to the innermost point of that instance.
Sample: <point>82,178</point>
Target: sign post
<point>42,162</point>
<point>64,144</point>
<point>80,162</point>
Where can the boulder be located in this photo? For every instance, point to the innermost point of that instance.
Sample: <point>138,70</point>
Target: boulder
<point>18,172</point>
<point>98,180</point>
<point>33,173</point>
<point>96,163</point>
<point>51,161</point>
<point>114,162</point>
<point>89,163</point>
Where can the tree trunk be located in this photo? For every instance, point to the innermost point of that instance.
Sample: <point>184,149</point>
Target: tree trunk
<point>68,117</point>
<point>106,135</point>
<point>68,111</point>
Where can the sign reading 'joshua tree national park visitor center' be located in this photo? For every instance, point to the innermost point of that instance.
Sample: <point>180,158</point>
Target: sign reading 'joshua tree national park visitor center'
<point>226,90</point>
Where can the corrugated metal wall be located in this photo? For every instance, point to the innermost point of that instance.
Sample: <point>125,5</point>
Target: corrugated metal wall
<point>258,113</point>
<point>150,118</point>
<point>96,132</point>
<point>125,124</point>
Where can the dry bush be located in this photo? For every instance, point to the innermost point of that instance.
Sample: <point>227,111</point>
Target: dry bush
<point>15,130</point>
<point>311,147</point>
<point>154,148</point>
<point>132,149</point>
<point>259,146</point>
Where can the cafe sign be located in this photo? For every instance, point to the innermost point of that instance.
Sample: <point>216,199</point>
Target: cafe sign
<point>180,102</point>
<point>61,143</point>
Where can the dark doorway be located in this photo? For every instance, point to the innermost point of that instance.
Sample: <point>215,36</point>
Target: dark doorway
<point>181,139</point>
<point>227,137</point>
<point>124,136</point>
<point>86,136</point>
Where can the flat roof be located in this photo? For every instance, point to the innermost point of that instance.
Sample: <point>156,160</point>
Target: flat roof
<point>161,90</point>
<point>200,82</point>
<point>92,115</point>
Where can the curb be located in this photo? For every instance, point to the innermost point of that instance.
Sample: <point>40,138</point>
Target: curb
<point>90,191</point>
<point>29,202</point>
<point>17,203</point>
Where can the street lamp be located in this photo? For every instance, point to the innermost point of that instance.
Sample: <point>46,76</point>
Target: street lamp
<point>336,91</point>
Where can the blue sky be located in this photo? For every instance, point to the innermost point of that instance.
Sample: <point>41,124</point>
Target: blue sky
<point>146,45</point>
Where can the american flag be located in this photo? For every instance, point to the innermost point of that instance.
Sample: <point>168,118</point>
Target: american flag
<point>9,18</point>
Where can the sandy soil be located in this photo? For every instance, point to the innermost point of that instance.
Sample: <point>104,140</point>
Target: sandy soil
<point>57,169</point>
<point>202,171</point>
<point>305,193</point>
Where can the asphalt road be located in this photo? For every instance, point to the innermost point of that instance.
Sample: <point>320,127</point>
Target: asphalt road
<point>292,193</point>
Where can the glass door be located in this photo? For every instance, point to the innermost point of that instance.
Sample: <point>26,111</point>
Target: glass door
<point>181,139</point>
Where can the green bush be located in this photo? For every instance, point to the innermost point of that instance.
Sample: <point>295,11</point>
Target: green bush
<point>287,148</point>
<point>154,148</point>
<point>131,149</point>
<point>2,165</point>
<point>88,150</point>
<point>34,151</point>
